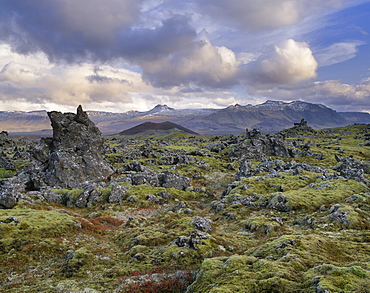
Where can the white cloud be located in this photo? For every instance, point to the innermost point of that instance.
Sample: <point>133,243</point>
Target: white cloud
<point>66,85</point>
<point>286,63</point>
<point>338,52</point>
<point>200,63</point>
<point>264,14</point>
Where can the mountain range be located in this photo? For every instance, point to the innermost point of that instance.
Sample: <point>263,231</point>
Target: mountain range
<point>271,116</point>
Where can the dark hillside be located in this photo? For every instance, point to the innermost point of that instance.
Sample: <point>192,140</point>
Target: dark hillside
<point>148,126</point>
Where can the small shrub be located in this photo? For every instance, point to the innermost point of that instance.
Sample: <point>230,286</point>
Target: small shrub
<point>100,224</point>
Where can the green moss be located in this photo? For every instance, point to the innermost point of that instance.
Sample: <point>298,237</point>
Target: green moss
<point>284,265</point>
<point>340,279</point>
<point>73,195</point>
<point>62,191</point>
<point>263,224</point>
<point>35,232</point>
<point>310,199</point>
<point>6,173</point>
<point>105,192</point>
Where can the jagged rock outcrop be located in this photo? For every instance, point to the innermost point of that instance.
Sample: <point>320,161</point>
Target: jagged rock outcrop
<point>166,179</point>
<point>73,157</point>
<point>76,151</point>
<point>258,146</point>
<point>274,167</point>
<point>5,141</point>
<point>298,129</point>
<point>352,169</point>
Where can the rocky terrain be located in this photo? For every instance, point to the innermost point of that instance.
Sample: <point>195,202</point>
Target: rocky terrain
<point>284,212</point>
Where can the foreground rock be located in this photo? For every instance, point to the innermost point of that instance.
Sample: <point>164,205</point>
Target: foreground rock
<point>76,151</point>
<point>72,158</point>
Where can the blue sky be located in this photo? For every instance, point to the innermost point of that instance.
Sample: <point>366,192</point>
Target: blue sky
<point>120,55</point>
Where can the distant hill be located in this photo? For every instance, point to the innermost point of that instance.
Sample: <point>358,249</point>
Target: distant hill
<point>356,117</point>
<point>147,127</point>
<point>271,116</point>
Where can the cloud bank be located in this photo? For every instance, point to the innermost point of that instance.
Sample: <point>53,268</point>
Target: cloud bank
<point>139,53</point>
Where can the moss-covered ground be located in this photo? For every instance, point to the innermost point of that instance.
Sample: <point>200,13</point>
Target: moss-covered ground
<point>319,242</point>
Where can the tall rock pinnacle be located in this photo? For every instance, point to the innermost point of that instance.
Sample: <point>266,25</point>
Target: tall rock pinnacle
<point>76,150</point>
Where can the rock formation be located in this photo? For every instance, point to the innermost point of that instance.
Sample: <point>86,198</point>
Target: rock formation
<point>76,150</point>
<point>298,129</point>
<point>258,146</point>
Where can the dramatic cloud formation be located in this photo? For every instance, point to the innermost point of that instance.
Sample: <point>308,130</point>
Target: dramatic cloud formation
<point>123,55</point>
<point>200,63</point>
<point>65,29</point>
<point>288,62</point>
<point>67,85</point>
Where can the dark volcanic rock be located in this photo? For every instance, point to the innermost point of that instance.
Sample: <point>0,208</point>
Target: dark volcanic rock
<point>12,189</point>
<point>5,142</point>
<point>203,224</point>
<point>5,162</point>
<point>167,179</point>
<point>299,128</point>
<point>352,169</point>
<point>171,180</point>
<point>258,146</point>
<point>76,150</point>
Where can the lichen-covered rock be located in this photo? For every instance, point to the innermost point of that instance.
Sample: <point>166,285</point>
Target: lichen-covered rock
<point>13,189</point>
<point>203,224</point>
<point>148,178</point>
<point>76,151</point>
<point>5,141</point>
<point>193,241</point>
<point>171,180</point>
<point>352,169</point>
<point>258,146</point>
<point>117,194</point>
<point>5,162</point>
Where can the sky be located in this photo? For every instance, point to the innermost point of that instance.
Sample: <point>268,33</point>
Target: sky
<point>121,55</point>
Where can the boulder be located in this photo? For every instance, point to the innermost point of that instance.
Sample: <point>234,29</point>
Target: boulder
<point>171,180</point>
<point>5,162</point>
<point>12,189</point>
<point>117,194</point>
<point>258,146</point>
<point>203,224</point>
